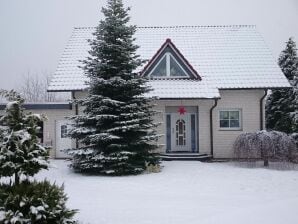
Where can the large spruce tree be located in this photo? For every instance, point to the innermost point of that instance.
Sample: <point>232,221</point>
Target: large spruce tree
<point>282,105</point>
<point>116,133</point>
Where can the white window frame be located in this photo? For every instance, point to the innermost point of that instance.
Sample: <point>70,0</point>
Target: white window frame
<point>230,128</point>
<point>168,68</point>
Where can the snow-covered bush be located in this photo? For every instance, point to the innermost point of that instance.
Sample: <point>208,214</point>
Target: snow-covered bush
<point>295,137</point>
<point>153,168</point>
<point>38,203</point>
<point>20,151</point>
<point>267,145</point>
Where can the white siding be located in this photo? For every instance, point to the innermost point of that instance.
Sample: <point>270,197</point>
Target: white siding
<point>249,103</point>
<point>49,129</point>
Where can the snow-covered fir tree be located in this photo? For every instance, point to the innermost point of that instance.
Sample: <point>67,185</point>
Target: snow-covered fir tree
<point>20,151</point>
<point>116,133</point>
<point>282,104</point>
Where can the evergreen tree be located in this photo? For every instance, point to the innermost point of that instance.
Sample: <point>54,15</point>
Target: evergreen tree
<point>116,133</point>
<point>282,104</point>
<point>20,152</point>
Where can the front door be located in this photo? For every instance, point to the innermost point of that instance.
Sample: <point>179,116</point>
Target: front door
<point>181,132</point>
<point>62,140</point>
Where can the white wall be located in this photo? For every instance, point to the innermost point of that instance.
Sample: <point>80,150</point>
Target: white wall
<point>49,129</point>
<point>246,100</point>
<point>249,103</point>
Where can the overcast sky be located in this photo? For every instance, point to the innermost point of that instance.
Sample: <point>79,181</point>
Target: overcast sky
<point>33,33</point>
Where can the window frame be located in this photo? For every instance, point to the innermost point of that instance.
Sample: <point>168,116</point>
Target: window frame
<point>168,56</point>
<point>230,128</point>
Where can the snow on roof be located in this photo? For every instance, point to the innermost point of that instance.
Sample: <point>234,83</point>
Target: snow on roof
<point>228,57</point>
<point>173,89</point>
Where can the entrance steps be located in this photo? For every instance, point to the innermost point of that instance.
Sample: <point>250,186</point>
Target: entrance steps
<point>185,156</point>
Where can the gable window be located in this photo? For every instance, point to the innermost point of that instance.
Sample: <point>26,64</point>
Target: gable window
<point>230,119</point>
<point>168,66</point>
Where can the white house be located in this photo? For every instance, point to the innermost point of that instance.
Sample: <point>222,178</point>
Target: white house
<point>211,82</point>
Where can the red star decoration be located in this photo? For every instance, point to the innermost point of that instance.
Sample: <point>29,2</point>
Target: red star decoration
<point>181,110</point>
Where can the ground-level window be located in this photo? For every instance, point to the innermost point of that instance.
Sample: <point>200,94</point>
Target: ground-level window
<point>230,119</point>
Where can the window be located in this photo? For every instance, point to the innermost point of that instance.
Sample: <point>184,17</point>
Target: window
<point>229,119</point>
<point>63,131</point>
<point>180,133</point>
<point>168,67</point>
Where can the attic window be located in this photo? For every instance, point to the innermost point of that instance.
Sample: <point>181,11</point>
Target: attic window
<point>168,67</point>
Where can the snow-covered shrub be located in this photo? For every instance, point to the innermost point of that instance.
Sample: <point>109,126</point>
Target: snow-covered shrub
<point>34,202</point>
<point>153,168</point>
<point>295,156</point>
<point>295,137</point>
<point>20,151</point>
<point>267,145</point>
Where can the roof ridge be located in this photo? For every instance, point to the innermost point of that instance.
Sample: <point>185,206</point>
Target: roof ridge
<point>197,26</point>
<point>84,27</point>
<point>181,26</point>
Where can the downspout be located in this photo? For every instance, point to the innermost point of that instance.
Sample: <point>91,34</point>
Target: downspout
<point>262,109</point>
<point>211,126</point>
<point>76,111</point>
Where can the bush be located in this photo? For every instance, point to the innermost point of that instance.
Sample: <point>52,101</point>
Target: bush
<point>272,145</point>
<point>34,202</point>
<point>295,137</point>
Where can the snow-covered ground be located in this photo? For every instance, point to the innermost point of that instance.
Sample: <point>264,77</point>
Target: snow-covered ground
<point>184,192</point>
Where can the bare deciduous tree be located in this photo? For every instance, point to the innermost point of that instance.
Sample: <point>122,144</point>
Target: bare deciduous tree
<point>34,89</point>
<point>273,145</point>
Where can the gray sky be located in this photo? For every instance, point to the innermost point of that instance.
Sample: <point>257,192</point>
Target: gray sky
<point>33,33</point>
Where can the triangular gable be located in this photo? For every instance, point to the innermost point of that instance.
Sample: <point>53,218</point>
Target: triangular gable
<point>168,62</point>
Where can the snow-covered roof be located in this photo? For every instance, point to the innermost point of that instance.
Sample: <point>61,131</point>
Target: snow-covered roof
<point>185,89</point>
<point>41,105</point>
<point>225,57</point>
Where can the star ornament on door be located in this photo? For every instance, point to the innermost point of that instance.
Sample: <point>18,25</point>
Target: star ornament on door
<point>181,110</point>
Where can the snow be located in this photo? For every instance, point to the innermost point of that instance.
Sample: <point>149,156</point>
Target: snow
<point>184,192</point>
<point>233,56</point>
<point>173,89</point>
<point>11,104</point>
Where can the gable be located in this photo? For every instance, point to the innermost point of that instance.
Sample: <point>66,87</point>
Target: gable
<point>168,63</point>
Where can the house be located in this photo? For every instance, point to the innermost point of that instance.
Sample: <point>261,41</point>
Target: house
<point>211,82</point>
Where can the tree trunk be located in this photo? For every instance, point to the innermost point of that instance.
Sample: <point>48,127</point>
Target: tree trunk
<point>266,162</point>
<point>16,179</point>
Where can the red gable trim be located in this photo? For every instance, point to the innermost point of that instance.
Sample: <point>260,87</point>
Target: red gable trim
<point>169,43</point>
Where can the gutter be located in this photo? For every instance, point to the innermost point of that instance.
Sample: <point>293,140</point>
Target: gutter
<point>211,126</point>
<point>262,109</point>
<point>76,112</point>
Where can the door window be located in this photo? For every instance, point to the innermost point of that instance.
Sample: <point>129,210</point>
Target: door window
<point>64,131</point>
<point>180,133</point>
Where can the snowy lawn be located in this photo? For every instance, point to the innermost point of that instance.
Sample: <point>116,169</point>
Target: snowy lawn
<point>184,192</point>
